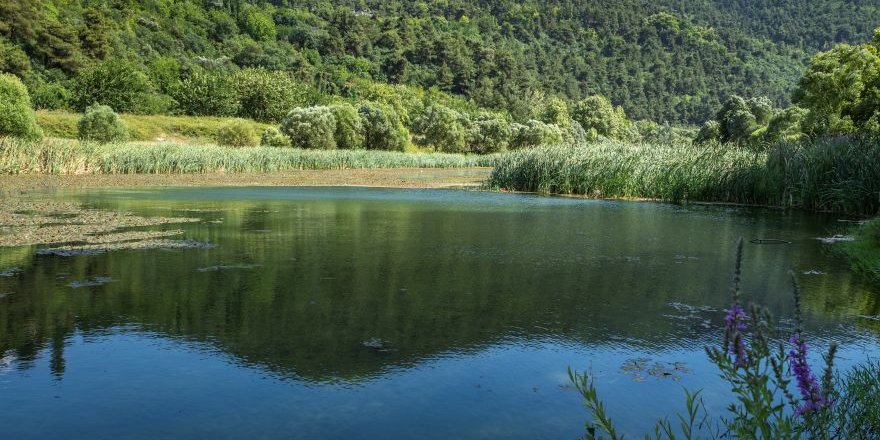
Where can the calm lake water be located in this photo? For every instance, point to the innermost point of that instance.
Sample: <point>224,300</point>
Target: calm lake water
<point>484,301</point>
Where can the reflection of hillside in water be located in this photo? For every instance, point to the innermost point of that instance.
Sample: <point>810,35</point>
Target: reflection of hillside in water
<point>300,284</point>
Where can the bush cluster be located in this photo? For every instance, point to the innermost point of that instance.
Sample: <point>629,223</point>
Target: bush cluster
<point>101,124</point>
<point>272,137</point>
<point>17,118</point>
<point>205,93</point>
<point>341,126</point>
<point>379,126</point>
<point>120,85</point>
<point>311,127</point>
<point>266,96</point>
<point>237,133</point>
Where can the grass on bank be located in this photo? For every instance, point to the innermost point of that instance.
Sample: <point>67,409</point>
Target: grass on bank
<point>189,129</point>
<point>835,175</point>
<point>62,156</point>
<point>864,252</point>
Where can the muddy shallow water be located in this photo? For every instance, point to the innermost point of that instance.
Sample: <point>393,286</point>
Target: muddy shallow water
<point>393,313</point>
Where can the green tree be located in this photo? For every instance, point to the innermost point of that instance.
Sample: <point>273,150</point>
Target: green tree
<point>268,96</point>
<point>272,137</point>
<point>50,96</point>
<point>16,115</point>
<point>442,128</point>
<point>258,25</point>
<point>709,132</point>
<point>205,93</point>
<point>237,133</point>
<point>164,73</point>
<point>597,113</point>
<point>223,26</point>
<point>488,133</point>
<point>13,59</point>
<point>95,35</point>
<point>101,124</point>
<point>534,133</point>
<point>311,127</point>
<point>382,128</point>
<point>742,120</point>
<point>841,89</point>
<point>115,83</point>
<point>787,125</point>
<point>349,134</point>
<point>555,112</point>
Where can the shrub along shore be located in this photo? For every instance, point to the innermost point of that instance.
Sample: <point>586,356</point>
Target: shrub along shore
<point>864,251</point>
<point>832,175</point>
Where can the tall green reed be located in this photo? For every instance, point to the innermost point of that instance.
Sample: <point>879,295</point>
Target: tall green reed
<point>840,175</point>
<point>75,157</point>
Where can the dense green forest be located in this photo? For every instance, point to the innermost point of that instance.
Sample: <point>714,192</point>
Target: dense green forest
<point>666,60</point>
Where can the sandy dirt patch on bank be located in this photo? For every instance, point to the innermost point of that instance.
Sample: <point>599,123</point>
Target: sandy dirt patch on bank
<point>384,178</point>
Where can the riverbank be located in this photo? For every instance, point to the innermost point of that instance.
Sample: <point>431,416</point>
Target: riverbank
<point>381,177</point>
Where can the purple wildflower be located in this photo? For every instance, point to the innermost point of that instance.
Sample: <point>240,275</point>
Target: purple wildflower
<point>813,397</point>
<point>735,319</point>
<point>735,323</point>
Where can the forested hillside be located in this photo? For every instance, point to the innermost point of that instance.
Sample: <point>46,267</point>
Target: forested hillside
<point>666,60</point>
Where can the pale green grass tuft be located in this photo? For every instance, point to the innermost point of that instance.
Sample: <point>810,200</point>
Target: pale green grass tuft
<point>75,157</point>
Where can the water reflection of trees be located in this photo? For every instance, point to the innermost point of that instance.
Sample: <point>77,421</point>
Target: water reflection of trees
<point>428,278</point>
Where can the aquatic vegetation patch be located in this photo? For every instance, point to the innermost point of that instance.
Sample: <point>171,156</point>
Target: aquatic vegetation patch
<point>91,282</point>
<point>224,267</point>
<point>10,272</point>
<point>150,244</point>
<point>642,368</point>
<point>377,344</point>
<point>30,221</point>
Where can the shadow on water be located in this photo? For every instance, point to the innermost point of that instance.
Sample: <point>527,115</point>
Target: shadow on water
<point>357,285</point>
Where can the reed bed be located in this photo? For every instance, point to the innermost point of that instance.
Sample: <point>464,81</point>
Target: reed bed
<point>864,252</point>
<point>834,175</point>
<point>58,156</point>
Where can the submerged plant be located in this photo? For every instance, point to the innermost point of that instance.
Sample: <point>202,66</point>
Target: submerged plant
<point>754,360</point>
